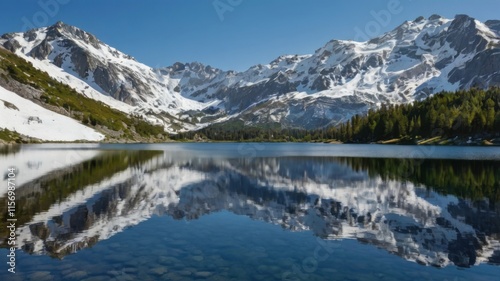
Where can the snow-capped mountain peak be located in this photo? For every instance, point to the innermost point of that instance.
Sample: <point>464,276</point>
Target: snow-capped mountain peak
<point>340,79</point>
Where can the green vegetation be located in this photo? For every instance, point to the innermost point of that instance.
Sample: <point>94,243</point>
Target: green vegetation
<point>463,178</point>
<point>445,115</point>
<point>40,194</point>
<point>77,106</point>
<point>464,113</point>
<point>10,136</point>
<point>235,130</point>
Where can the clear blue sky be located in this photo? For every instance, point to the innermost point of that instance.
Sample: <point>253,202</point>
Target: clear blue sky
<point>228,34</point>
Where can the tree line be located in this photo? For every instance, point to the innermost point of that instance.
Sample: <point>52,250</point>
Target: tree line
<point>463,178</point>
<point>463,113</point>
<point>474,112</point>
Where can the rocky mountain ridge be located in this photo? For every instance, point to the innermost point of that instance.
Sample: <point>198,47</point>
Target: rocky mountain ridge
<point>340,79</point>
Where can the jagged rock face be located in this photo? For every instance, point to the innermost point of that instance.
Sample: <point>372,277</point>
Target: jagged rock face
<point>494,25</point>
<point>10,43</point>
<point>82,54</point>
<point>485,74</point>
<point>41,51</point>
<point>194,80</point>
<point>343,78</point>
<point>239,99</point>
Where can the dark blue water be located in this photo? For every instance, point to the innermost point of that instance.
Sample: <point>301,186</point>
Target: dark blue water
<point>224,246</point>
<point>255,212</point>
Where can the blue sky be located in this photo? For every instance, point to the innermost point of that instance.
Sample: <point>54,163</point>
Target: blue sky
<point>229,34</point>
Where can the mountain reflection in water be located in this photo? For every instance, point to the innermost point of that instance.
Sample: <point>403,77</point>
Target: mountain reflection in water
<point>433,212</point>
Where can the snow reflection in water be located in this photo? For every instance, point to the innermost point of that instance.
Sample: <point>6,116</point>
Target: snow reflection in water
<point>432,212</point>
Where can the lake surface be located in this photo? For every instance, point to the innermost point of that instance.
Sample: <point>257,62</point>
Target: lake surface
<point>252,211</point>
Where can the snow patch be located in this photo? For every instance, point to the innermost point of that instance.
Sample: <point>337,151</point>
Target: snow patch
<point>35,121</point>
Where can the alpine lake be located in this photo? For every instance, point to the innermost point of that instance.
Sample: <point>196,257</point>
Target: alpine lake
<point>250,211</point>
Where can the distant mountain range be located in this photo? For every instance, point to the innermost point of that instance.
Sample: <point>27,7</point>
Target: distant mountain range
<point>340,79</point>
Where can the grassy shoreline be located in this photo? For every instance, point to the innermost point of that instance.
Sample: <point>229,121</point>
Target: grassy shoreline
<point>470,141</point>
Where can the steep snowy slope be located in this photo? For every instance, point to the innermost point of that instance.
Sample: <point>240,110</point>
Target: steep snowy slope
<point>30,119</point>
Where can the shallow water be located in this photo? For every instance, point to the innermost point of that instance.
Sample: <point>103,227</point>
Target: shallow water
<point>253,211</point>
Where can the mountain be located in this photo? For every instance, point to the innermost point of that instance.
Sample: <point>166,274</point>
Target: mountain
<point>340,79</point>
<point>35,107</point>
<point>80,60</point>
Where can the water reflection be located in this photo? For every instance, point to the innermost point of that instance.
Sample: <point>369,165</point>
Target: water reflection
<point>9,149</point>
<point>433,212</point>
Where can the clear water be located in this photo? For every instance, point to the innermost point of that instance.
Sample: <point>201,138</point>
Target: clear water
<point>253,212</point>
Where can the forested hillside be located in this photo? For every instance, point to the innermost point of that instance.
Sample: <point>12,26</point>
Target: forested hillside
<point>462,114</point>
